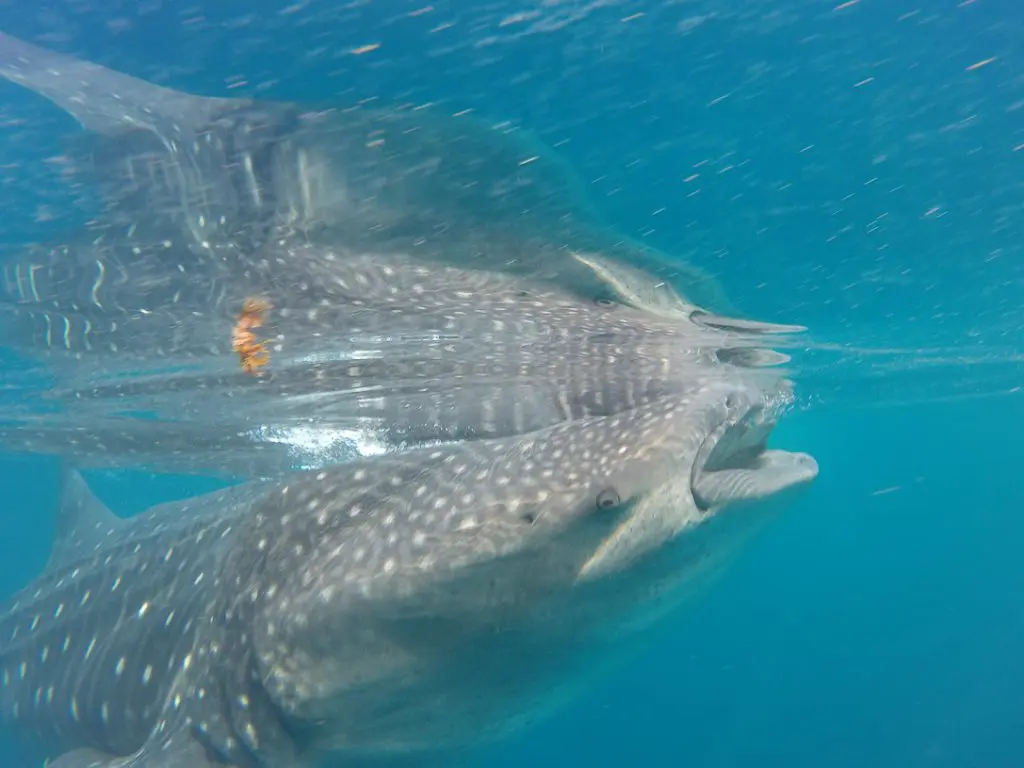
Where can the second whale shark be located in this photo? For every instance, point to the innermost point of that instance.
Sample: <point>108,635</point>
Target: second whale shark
<point>418,274</point>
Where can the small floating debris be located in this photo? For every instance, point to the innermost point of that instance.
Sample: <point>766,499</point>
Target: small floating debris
<point>979,64</point>
<point>252,354</point>
<point>369,48</point>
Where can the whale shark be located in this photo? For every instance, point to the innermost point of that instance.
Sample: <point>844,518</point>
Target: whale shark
<point>388,607</point>
<point>200,194</point>
<point>384,607</point>
<point>416,269</point>
<point>207,200</point>
<point>390,352</point>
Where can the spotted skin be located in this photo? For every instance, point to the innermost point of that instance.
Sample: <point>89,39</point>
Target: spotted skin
<point>341,611</point>
<point>383,607</point>
<point>406,351</point>
<point>421,277</point>
<point>207,200</point>
<point>91,649</point>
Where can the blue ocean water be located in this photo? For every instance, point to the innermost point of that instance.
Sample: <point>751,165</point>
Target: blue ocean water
<point>853,167</point>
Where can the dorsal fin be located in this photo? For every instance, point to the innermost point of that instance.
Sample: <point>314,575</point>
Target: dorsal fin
<point>83,522</point>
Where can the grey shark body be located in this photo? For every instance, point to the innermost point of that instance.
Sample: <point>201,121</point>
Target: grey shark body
<point>207,199</point>
<point>426,600</point>
<point>397,352</point>
<point>419,269</point>
<point>387,607</point>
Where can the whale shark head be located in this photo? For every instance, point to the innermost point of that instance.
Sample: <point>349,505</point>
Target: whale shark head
<point>433,599</point>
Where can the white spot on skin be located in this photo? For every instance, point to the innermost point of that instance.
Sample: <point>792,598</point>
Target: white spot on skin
<point>119,669</point>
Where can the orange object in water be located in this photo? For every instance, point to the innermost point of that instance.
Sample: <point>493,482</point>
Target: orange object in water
<point>252,354</point>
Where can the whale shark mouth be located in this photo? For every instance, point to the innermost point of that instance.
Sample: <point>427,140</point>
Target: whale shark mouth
<point>735,464</point>
<point>732,464</point>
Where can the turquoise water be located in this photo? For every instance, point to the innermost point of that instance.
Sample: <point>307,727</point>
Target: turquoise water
<point>853,169</point>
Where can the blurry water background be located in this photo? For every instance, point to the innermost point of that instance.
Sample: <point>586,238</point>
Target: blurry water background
<point>854,167</point>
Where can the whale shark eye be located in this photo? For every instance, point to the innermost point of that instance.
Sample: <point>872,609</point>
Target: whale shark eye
<point>604,302</point>
<point>608,498</point>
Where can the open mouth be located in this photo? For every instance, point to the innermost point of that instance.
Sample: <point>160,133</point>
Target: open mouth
<point>732,464</point>
<point>735,464</point>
